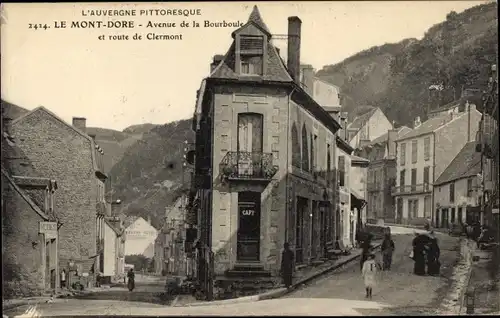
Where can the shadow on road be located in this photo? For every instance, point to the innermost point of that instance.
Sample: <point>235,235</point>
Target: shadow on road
<point>160,298</point>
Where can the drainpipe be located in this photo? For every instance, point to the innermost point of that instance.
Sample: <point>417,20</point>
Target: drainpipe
<point>433,210</point>
<point>287,193</point>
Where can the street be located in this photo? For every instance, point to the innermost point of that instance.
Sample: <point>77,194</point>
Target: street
<point>341,292</point>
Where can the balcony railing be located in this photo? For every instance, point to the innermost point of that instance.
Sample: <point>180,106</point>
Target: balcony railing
<point>239,165</point>
<point>412,189</point>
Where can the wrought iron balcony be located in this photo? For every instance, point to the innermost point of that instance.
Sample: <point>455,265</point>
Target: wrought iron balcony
<point>240,165</point>
<point>412,189</point>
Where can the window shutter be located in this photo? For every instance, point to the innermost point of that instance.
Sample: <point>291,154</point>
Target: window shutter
<point>250,43</point>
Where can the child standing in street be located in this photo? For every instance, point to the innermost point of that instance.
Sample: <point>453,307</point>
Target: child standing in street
<point>369,272</point>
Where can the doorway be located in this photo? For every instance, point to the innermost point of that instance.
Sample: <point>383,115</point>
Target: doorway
<point>399,210</point>
<point>248,235</point>
<point>302,204</point>
<point>324,228</point>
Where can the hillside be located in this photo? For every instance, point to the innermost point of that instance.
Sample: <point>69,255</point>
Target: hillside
<point>396,77</point>
<point>149,176</point>
<point>115,143</point>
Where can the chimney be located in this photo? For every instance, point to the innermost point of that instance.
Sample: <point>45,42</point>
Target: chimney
<point>416,122</point>
<point>149,220</point>
<point>215,62</point>
<point>392,135</point>
<point>80,123</point>
<point>307,79</point>
<point>293,58</point>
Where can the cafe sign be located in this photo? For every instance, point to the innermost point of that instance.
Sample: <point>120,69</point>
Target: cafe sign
<point>49,229</point>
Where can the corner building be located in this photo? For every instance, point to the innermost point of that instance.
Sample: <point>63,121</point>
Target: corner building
<point>265,150</point>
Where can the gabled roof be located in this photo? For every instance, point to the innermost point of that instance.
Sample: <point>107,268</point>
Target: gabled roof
<point>466,164</point>
<point>427,126</point>
<point>275,68</point>
<point>129,220</point>
<point>361,120</point>
<point>78,131</point>
<point>25,197</point>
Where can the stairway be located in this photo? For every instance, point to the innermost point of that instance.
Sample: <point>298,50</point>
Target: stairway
<point>245,280</point>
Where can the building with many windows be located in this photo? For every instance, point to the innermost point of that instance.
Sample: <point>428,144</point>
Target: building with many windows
<point>265,154</point>
<point>423,154</point>
<point>381,174</point>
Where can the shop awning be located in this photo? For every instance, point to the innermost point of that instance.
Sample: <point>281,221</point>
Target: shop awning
<point>357,196</point>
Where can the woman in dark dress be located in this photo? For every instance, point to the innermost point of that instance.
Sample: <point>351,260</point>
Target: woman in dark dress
<point>419,243</point>
<point>433,252</point>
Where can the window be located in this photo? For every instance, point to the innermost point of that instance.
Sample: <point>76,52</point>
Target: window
<point>341,171</point>
<point>413,208</point>
<point>251,55</point>
<point>427,206</point>
<point>305,149</point>
<point>295,146</point>
<point>402,177</point>
<point>414,151</point>
<point>413,179</point>
<point>452,192</point>
<point>313,157</point>
<point>328,163</point>
<point>426,178</point>
<point>469,187</point>
<point>427,148</point>
<point>403,154</point>
<point>251,65</point>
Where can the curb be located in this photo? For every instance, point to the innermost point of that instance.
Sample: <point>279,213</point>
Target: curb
<point>277,293</point>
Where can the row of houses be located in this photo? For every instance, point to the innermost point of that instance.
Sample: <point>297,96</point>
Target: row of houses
<point>55,215</point>
<point>278,162</point>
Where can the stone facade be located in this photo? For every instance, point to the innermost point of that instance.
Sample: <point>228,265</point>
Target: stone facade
<point>59,151</point>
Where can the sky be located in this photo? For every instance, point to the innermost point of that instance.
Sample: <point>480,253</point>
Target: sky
<point>119,83</point>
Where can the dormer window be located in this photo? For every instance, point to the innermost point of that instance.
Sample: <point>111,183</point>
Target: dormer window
<point>251,55</point>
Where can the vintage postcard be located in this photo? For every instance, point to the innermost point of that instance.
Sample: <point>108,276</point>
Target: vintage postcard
<point>250,158</point>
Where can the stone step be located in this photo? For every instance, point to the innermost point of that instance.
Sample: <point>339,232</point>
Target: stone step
<point>248,273</point>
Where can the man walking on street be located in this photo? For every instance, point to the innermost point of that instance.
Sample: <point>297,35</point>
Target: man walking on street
<point>387,251</point>
<point>287,258</point>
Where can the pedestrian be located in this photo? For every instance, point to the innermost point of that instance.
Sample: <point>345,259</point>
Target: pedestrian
<point>419,254</point>
<point>287,259</point>
<point>131,279</point>
<point>433,253</point>
<point>365,249</point>
<point>369,273</point>
<point>63,278</point>
<point>387,251</point>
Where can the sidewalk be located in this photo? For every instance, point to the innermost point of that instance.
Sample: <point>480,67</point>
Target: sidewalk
<point>301,277</point>
<point>13,303</point>
<point>486,290</point>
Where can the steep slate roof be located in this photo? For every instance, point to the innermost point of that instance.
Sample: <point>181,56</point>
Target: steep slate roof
<point>383,139</point>
<point>83,134</point>
<point>275,68</point>
<point>428,126</point>
<point>466,164</point>
<point>359,121</point>
<point>25,196</point>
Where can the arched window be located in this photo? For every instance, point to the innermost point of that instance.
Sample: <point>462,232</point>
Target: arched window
<point>295,146</point>
<point>305,149</point>
<point>312,154</point>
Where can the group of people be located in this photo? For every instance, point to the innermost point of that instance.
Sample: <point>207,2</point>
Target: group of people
<point>426,253</point>
<point>482,234</point>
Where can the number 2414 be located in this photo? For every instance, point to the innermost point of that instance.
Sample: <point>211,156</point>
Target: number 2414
<point>37,26</point>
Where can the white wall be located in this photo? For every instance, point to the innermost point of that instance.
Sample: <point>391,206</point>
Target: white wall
<point>109,251</point>
<point>140,238</point>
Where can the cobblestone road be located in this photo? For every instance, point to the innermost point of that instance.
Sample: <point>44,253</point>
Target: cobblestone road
<point>399,288</point>
<point>340,293</point>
